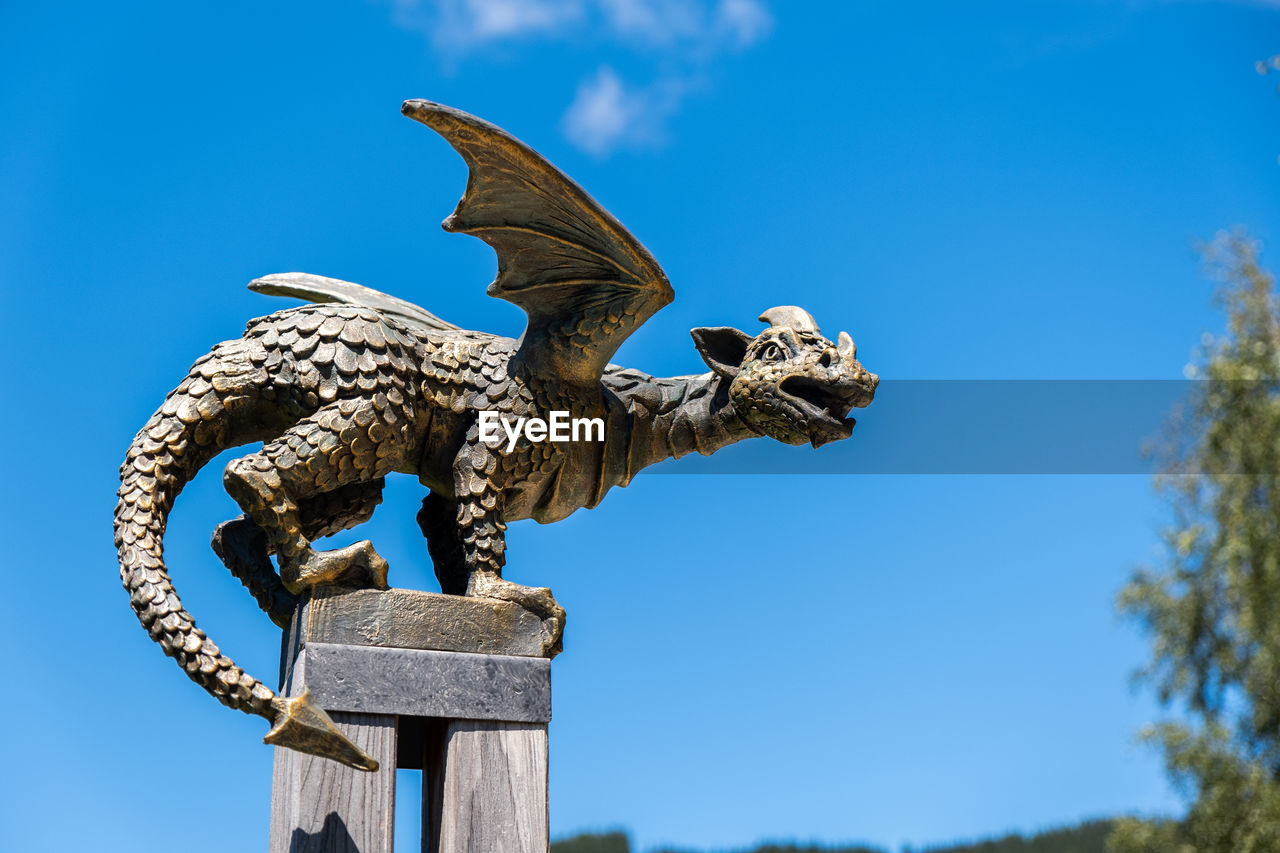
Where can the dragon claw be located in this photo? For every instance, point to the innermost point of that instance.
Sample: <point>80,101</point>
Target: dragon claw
<point>536,599</point>
<point>357,565</point>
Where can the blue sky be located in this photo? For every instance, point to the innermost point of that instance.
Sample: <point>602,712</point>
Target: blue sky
<point>994,191</point>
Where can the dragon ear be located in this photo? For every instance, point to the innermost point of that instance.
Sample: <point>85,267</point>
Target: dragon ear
<point>722,348</point>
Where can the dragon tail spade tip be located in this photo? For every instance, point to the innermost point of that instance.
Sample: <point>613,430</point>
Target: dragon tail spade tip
<point>301,725</point>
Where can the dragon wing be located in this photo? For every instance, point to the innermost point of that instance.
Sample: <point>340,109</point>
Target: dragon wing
<point>583,280</point>
<point>318,288</point>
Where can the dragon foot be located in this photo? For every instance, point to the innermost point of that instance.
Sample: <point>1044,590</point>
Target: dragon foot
<point>355,565</point>
<point>301,725</point>
<point>242,547</point>
<point>536,599</point>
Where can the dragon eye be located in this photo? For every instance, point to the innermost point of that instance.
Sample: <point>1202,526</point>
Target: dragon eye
<point>771,352</point>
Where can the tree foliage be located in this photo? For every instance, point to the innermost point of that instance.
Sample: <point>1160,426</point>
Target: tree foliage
<point>1213,610</point>
<point>590,842</point>
<point>1088,837</point>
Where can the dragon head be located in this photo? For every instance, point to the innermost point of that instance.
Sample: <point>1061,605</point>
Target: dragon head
<point>789,382</point>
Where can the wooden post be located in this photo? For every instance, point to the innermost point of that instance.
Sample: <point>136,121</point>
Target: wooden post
<point>490,790</point>
<point>321,806</point>
<point>458,687</point>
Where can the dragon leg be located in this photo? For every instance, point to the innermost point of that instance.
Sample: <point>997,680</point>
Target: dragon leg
<point>243,548</point>
<point>481,535</point>
<point>344,443</point>
<point>438,519</point>
<point>341,509</point>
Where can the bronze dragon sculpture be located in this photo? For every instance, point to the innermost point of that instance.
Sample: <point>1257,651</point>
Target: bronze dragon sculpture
<point>361,384</point>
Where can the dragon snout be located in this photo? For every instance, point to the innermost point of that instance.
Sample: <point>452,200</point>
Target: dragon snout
<point>856,385</point>
<point>867,382</point>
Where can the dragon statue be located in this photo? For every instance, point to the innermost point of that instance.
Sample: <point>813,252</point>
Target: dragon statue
<point>358,384</point>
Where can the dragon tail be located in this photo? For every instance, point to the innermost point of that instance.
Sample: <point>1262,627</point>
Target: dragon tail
<point>198,420</point>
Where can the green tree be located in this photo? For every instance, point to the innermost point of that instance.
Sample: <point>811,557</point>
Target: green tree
<point>1214,609</point>
<point>608,842</point>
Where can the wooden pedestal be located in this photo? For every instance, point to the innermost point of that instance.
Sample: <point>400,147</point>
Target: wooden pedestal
<point>457,687</point>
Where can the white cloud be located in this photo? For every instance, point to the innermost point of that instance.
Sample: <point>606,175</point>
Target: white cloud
<point>660,22</point>
<point>683,38</point>
<point>606,114</point>
<point>745,22</point>
<point>459,27</point>
<point>688,24</point>
<point>506,18</point>
<point>602,113</point>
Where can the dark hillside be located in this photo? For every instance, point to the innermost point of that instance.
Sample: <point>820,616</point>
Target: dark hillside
<point>1089,837</point>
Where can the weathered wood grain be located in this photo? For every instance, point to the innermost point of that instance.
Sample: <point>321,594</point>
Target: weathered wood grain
<point>487,789</point>
<point>320,806</point>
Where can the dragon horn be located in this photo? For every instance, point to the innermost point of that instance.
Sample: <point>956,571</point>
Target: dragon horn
<point>300,724</point>
<point>845,346</point>
<point>791,317</point>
